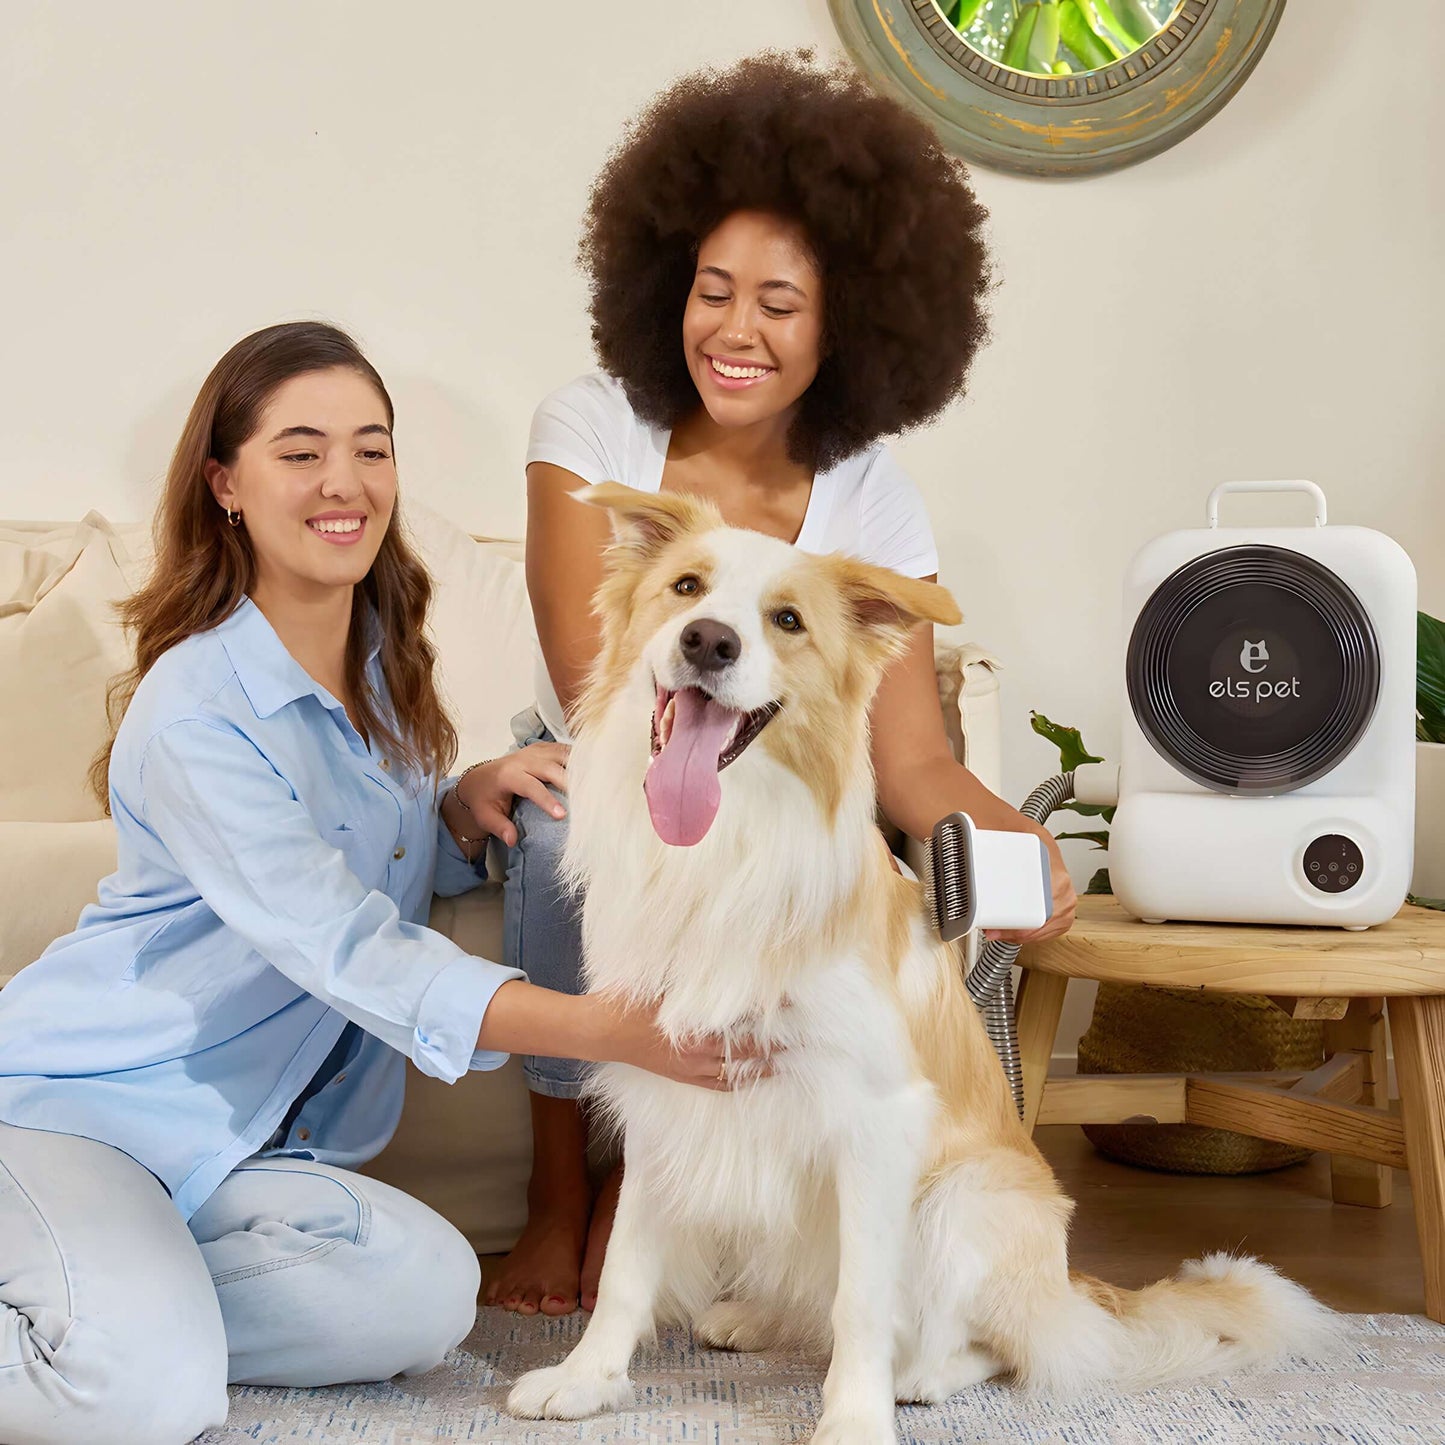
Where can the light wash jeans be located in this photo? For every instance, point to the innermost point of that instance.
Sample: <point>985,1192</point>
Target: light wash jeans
<point>121,1326</point>
<point>542,920</point>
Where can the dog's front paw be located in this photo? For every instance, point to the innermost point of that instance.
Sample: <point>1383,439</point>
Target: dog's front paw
<point>933,1384</point>
<point>856,1426</point>
<point>737,1325</point>
<point>558,1393</point>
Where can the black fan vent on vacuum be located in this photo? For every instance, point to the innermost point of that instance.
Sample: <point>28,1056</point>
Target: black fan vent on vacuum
<point>1253,669</point>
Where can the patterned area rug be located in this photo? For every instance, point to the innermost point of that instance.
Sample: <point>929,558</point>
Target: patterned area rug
<point>1388,1387</point>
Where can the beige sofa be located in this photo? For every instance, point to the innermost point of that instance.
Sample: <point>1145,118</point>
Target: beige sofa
<point>465,1149</point>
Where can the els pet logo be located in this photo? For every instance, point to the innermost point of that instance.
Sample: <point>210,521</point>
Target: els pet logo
<point>1254,658</point>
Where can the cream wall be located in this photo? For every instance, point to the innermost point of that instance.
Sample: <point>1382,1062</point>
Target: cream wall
<point>1262,300</point>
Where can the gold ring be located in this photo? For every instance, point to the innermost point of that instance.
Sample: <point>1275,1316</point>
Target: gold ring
<point>722,1072</point>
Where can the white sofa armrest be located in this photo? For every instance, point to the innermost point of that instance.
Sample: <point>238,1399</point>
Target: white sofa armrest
<point>968,694</point>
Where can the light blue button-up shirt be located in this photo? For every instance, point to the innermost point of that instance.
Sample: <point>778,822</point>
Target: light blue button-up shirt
<point>259,957</point>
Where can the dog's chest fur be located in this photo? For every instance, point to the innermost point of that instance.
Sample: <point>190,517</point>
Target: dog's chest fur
<point>752,932</point>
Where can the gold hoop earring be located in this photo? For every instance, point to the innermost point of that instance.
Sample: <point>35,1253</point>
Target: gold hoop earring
<point>233,519</point>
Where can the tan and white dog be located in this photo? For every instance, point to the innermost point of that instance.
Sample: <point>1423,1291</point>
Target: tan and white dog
<point>877,1192</point>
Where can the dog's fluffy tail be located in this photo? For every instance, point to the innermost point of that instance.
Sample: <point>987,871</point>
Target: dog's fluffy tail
<point>1219,1313</point>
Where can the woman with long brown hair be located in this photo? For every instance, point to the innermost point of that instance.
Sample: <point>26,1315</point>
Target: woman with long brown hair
<point>189,1078</point>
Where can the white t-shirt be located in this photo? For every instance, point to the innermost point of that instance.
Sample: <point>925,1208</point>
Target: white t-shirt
<point>865,506</point>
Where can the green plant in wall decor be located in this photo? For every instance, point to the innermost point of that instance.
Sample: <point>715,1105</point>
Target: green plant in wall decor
<point>1072,752</point>
<point>1059,87</point>
<point>1057,37</point>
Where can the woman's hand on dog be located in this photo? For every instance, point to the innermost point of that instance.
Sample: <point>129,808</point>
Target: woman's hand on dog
<point>632,1035</point>
<point>489,790</point>
<point>1065,900</point>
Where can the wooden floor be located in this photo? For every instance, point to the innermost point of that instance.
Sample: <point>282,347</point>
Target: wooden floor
<point>1133,1226</point>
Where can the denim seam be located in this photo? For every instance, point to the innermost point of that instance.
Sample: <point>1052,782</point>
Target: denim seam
<point>59,1253</point>
<point>538,1082</point>
<point>250,1271</point>
<point>549,1088</point>
<point>363,1204</point>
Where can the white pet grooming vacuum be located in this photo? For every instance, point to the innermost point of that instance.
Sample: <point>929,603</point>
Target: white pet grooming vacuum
<point>1268,761</point>
<point>1267,772</point>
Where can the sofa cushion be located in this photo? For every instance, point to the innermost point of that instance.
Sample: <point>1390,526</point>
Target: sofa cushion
<point>51,871</point>
<point>60,645</point>
<point>481,623</point>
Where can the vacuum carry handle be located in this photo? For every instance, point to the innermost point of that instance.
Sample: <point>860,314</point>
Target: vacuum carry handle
<point>1212,513</point>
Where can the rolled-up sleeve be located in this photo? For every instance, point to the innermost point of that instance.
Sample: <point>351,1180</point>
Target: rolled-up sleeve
<point>294,899</point>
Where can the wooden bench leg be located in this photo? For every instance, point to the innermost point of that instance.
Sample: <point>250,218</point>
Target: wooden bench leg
<point>1356,1181</point>
<point>1036,1015</point>
<point>1417,1026</point>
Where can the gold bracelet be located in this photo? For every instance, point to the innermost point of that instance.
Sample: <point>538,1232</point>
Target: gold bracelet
<point>452,791</point>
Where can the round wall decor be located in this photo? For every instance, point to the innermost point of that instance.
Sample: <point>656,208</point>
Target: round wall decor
<point>1059,87</point>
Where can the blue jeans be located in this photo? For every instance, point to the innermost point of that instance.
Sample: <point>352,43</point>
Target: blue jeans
<point>119,1324</point>
<point>542,920</point>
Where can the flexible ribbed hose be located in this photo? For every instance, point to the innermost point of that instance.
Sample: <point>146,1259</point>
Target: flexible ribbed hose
<point>989,982</point>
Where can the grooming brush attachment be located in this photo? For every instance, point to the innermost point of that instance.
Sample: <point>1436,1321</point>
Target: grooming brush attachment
<point>982,878</point>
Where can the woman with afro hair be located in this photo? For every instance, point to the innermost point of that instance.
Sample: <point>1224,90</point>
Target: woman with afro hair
<point>785,268</point>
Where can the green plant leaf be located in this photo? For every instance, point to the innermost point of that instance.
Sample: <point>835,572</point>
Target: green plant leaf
<point>1120,31</point>
<point>1438,904</point>
<point>1099,883</point>
<point>1090,49</point>
<point>1099,840</point>
<point>1141,24</point>
<point>1090,810</point>
<point>1016,47</point>
<point>1044,41</point>
<point>1071,747</point>
<point>964,14</point>
<point>1430,639</point>
<point>1090,11</point>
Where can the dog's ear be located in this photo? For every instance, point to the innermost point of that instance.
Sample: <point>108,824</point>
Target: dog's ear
<point>884,601</point>
<point>645,522</point>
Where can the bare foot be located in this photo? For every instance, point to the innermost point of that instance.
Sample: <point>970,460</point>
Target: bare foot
<point>604,1211</point>
<point>542,1271</point>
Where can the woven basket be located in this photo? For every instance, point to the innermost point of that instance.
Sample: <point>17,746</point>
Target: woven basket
<point>1138,1030</point>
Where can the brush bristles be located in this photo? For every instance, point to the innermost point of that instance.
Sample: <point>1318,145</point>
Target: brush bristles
<point>948,892</point>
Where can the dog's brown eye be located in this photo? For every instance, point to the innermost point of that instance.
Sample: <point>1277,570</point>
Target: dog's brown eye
<point>788,620</point>
<point>686,586</point>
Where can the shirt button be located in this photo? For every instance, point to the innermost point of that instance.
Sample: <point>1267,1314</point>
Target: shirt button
<point>400,853</point>
<point>386,765</point>
<point>303,1134</point>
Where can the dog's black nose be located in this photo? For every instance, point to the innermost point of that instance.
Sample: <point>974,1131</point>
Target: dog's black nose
<point>710,646</point>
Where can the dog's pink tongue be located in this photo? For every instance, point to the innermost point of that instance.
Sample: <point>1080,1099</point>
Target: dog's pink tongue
<point>682,785</point>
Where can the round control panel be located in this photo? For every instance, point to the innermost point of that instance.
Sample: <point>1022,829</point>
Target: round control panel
<point>1334,863</point>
